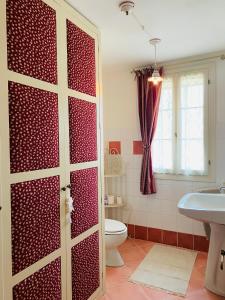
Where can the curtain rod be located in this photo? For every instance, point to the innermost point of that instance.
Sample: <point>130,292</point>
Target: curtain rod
<point>221,56</point>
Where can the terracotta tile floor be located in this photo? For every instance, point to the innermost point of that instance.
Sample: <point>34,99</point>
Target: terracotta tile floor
<point>133,251</point>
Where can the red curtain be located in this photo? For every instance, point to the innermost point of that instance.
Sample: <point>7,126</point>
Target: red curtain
<point>148,106</point>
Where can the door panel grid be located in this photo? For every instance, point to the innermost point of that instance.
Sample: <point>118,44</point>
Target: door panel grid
<point>83,148</point>
<point>84,184</point>
<point>35,213</point>
<point>81,60</point>
<point>43,284</point>
<point>85,267</point>
<point>83,130</point>
<point>31,38</point>
<point>34,133</point>
<point>36,232</point>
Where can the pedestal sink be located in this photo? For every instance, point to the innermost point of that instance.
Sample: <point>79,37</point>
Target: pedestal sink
<point>210,208</point>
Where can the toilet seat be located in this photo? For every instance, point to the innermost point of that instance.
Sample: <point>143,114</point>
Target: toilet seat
<point>114,227</point>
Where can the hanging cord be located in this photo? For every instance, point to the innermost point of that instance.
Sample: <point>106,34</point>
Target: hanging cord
<point>155,56</point>
<point>143,28</point>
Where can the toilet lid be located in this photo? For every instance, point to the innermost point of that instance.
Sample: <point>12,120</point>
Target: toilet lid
<point>113,226</point>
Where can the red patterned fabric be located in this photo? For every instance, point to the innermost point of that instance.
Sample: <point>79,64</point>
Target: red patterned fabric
<point>42,285</point>
<point>34,132</point>
<point>148,106</point>
<point>81,60</point>
<point>83,131</point>
<point>35,210</point>
<point>31,37</point>
<point>85,268</point>
<point>84,191</point>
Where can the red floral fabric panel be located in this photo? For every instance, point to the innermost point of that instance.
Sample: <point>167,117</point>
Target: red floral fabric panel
<point>42,285</point>
<point>34,132</point>
<point>81,60</point>
<point>35,209</point>
<point>31,37</point>
<point>85,268</point>
<point>83,131</point>
<point>84,191</point>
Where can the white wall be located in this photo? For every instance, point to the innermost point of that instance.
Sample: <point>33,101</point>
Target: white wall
<point>121,123</point>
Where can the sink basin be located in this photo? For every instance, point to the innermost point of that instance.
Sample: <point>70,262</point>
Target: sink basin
<point>210,208</point>
<point>204,207</point>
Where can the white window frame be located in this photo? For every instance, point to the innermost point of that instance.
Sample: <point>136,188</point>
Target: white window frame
<point>209,70</point>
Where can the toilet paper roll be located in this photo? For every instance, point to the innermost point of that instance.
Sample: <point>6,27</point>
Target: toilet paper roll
<point>119,200</point>
<point>110,199</point>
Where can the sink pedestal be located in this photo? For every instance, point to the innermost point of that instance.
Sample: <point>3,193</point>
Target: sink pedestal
<point>215,277</point>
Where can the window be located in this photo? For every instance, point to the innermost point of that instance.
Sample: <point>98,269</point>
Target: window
<point>181,142</point>
<point>163,143</point>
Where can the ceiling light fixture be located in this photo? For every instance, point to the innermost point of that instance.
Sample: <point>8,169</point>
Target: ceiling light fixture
<point>126,7</point>
<point>156,77</point>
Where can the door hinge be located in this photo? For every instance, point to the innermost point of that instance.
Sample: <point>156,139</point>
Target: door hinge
<point>209,81</point>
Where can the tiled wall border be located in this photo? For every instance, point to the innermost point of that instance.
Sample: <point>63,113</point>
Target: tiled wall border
<point>137,148</point>
<point>179,239</point>
<point>114,147</point>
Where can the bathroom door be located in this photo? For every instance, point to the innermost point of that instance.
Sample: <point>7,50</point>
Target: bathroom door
<point>84,160</point>
<point>45,119</point>
<point>32,156</point>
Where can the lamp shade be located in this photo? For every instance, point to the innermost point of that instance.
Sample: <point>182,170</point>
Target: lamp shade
<point>155,77</point>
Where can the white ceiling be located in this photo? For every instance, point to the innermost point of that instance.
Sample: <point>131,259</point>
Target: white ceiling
<point>186,27</point>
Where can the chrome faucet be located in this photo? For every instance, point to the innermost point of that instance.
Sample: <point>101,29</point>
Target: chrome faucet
<point>222,190</point>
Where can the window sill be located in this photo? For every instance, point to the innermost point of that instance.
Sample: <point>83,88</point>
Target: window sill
<point>175,177</point>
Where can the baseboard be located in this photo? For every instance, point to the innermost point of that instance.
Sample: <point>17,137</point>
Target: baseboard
<point>173,238</point>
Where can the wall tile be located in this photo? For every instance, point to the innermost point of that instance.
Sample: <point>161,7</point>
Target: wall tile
<point>115,147</point>
<point>141,232</point>
<point>155,235</point>
<point>140,204</point>
<point>154,220</point>
<point>169,221</point>
<point>126,213</point>
<point>139,218</point>
<point>197,228</point>
<point>135,162</point>
<point>131,230</point>
<point>165,192</point>
<point>185,240</point>
<point>179,239</point>
<point>168,206</point>
<point>184,224</point>
<point>154,204</point>
<point>137,147</point>
<point>133,189</point>
<point>169,237</point>
<point>201,243</point>
<point>134,178</point>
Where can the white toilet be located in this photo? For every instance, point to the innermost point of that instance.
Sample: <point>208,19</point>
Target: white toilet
<point>115,235</point>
